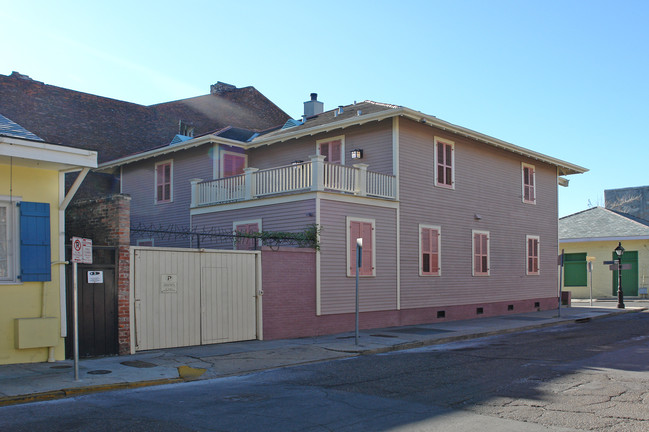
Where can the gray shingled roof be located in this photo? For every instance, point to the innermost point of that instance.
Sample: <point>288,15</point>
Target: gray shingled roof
<point>331,116</point>
<point>599,222</point>
<point>10,128</point>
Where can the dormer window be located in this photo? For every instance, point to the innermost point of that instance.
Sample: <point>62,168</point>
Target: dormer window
<point>185,128</point>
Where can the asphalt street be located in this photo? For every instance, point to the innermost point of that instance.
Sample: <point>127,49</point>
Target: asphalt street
<point>590,376</point>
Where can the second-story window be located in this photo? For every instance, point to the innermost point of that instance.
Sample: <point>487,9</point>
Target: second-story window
<point>163,181</point>
<point>332,149</point>
<point>232,164</point>
<point>444,163</point>
<point>529,183</point>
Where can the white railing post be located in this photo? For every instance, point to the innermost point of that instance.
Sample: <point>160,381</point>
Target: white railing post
<point>250,182</point>
<point>361,179</point>
<point>195,197</point>
<point>317,165</point>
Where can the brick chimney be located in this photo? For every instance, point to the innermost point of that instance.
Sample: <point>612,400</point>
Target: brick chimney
<point>313,106</point>
<point>221,87</point>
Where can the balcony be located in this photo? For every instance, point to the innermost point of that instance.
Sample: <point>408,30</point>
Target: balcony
<point>315,175</point>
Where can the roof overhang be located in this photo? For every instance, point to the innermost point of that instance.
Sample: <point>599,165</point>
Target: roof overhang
<point>601,239</point>
<point>564,168</point>
<point>195,142</point>
<point>38,154</point>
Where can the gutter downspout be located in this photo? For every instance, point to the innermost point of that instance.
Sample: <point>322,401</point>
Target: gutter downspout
<point>62,286</point>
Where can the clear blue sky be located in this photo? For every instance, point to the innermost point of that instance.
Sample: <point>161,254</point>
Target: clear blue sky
<point>569,79</point>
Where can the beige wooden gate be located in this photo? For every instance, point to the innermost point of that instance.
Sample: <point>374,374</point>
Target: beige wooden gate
<point>185,297</point>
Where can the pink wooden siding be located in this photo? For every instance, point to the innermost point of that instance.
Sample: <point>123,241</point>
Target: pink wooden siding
<point>290,216</point>
<point>487,197</point>
<point>337,289</point>
<point>289,300</point>
<point>138,180</point>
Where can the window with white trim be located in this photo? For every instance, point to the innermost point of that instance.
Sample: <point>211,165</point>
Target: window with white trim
<point>164,181</point>
<point>444,163</point>
<point>528,173</point>
<point>532,247</point>
<point>25,246</point>
<point>246,227</point>
<point>364,229</point>
<point>333,149</point>
<point>429,250</point>
<point>480,253</point>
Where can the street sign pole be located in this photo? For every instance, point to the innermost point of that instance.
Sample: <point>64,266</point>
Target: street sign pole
<point>75,308</point>
<point>359,263</point>
<point>561,257</point>
<point>81,253</point>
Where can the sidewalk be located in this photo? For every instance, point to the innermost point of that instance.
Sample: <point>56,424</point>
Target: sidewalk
<point>30,382</point>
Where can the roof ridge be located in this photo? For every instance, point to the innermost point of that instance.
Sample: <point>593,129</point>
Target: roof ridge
<point>382,104</point>
<point>632,218</point>
<point>580,212</point>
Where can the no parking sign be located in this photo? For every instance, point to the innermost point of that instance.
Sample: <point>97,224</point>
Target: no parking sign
<point>81,250</point>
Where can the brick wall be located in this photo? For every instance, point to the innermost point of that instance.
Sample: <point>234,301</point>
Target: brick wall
<point>107,222</point>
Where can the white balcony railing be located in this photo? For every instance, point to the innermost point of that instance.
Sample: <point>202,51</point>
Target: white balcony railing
<point>315,175</point>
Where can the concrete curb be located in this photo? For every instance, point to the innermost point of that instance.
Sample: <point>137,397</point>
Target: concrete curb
<point>80,391</point>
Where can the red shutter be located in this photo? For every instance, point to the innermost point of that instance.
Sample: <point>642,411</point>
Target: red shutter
<point>430,251</point>
<point>245,243</point>
<point>233,165</point>
<point>324,151</point>
<point>532,255</point>
<point>444,164</point>
<point>335,152</point>
<point>332,151</point>
<point>480,254</point>
<point>163,182</point>
<point>354,233</point>
<point>528,184</point>
<point>362,230</point>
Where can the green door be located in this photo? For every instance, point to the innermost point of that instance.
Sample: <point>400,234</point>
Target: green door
<point>629,277</point>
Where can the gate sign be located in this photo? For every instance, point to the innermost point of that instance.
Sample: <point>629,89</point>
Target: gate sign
<point>96,277</point>
<point>81,250</point>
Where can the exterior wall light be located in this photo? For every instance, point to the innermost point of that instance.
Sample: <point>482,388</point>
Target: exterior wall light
<point>357,154</point>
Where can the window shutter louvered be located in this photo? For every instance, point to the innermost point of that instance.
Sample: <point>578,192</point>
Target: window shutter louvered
<point>35,252</point>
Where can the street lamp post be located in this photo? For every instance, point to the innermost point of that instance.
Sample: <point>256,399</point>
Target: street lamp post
<point>619,250</point>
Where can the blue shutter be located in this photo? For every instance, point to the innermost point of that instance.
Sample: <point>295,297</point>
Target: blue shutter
<point>35,242</point>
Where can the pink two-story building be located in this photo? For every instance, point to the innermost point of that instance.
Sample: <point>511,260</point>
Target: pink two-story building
<point>455,224</point>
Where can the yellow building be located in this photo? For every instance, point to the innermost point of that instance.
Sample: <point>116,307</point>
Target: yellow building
<point>595,233</point>
<point>32,242</point>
